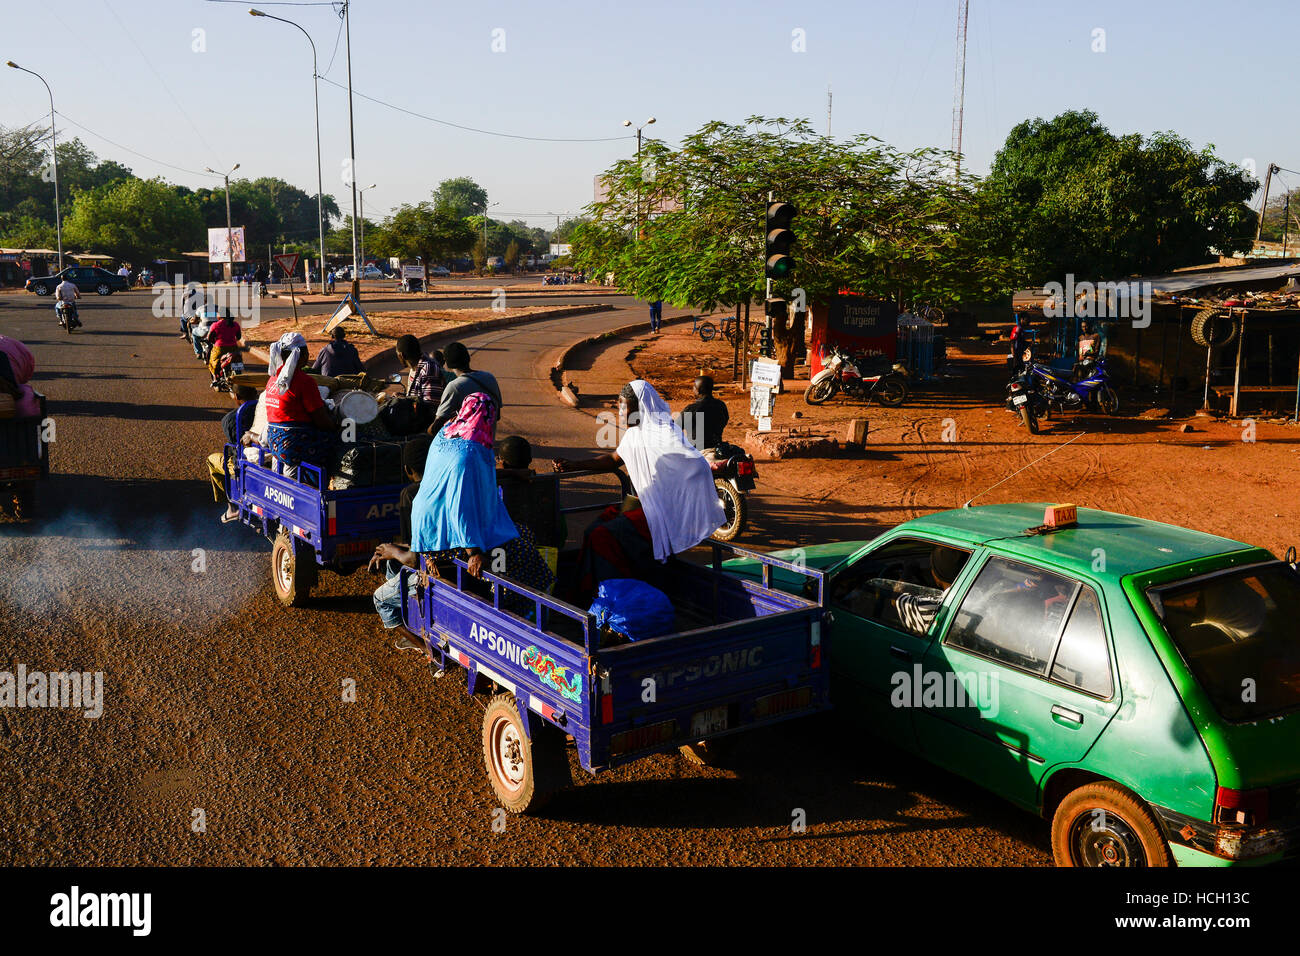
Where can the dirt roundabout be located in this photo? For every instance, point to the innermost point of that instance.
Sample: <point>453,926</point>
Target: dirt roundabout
<point>953,441</point>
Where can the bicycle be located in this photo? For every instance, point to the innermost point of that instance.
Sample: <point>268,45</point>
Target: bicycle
<point>932,314</point>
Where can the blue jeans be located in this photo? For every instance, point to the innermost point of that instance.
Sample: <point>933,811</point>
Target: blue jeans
<point>656,315</point>
<point>388,596</point>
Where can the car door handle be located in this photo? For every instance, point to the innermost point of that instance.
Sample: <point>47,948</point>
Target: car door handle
<point>898,652</point>
<point>1064,715</point>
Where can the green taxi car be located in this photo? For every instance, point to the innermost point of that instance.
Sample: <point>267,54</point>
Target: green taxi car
<point>1135,683</point>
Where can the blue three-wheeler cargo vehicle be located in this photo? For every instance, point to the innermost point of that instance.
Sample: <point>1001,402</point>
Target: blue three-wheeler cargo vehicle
<point>310,525</point>
<point>743,654</point>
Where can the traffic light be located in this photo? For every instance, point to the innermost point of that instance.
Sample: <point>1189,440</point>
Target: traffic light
<point>779,239</point>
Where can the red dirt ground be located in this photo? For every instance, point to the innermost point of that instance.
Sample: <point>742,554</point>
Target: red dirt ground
<point>1212,478</point>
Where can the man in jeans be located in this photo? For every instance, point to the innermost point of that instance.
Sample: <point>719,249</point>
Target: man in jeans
<point>388,596</point>
<point>656,314</point>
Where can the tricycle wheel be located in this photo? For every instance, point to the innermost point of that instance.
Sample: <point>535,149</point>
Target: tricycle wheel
<point>524,772</point>
<point>1104,824</point>
<point>292,571</point>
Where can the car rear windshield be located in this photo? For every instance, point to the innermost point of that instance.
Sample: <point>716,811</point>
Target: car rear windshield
<point>1238,632</point>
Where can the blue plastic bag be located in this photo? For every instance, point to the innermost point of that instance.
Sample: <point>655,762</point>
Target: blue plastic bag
<point>633,608</point>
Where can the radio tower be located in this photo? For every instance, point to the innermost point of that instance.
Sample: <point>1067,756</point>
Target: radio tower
<point>959,81</point>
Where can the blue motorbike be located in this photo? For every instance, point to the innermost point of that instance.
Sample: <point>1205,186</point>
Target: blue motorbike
<point>1086,389</point>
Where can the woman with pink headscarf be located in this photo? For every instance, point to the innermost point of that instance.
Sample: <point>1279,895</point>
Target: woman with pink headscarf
<point>16,368</point>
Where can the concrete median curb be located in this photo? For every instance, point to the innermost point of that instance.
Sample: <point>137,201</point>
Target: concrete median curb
<point>563,389</point>
<point>385,363</point>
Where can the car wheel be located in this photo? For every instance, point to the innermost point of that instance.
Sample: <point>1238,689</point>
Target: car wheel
<point>103,289</point>
<point>1104,824</point>
<point>524,772</point>
<point>41,289</point>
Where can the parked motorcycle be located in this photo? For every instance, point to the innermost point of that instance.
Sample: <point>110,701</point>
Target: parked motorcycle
<point>859,377</point>
<point>1062,393</point>
<point>67,313</point>
<point>1025,399</point>
<point>733,476</point>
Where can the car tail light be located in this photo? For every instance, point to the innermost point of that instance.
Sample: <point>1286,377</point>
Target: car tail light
<point>746,469</point>
<point>1245,807</point>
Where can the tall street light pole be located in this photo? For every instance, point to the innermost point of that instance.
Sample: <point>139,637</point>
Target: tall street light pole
<point>636,238</point>
<point>362,194</point>
<point>230,232</point>
<point>352,142</point>
<point>486,207</point>
<point>54,151</point>
<point>320,187</point>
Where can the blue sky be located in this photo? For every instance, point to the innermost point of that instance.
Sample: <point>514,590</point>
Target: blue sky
<point>128,70</point>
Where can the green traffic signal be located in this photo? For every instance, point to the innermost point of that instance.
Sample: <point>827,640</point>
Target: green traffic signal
<point>779,262</point>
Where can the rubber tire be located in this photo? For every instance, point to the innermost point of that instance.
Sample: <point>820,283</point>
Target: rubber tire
<point>545,765</point>
<point>891,392</point>
<point>1108,401</point>
<point>707,331</point>
<point>1111,798</point>
<point>1029,418</point>
<point>42,289</point>
<point>1211,329</point>
<point>824,391</point>
<point>103,289</point>
<point>740,511</point>
<point>296,590</point>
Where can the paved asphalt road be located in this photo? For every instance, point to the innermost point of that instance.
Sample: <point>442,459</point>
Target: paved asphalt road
<point>223,708</point>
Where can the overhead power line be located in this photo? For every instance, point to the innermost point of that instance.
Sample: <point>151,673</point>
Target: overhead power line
<point>485,132</point>
<point>134,152</point>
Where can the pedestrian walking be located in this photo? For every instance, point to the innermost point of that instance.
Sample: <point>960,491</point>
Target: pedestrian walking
<point>656,314</point>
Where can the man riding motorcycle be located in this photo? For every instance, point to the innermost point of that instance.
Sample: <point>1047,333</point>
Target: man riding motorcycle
<point>65,305</point>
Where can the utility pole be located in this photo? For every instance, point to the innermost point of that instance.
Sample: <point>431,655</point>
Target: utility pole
<point>959,82</point>
<point>230,232</point>
<point>54,154</point>
<point>352,143</point>
<point>1263,205</point>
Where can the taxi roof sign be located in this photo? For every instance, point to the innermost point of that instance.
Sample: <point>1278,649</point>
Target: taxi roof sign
<point>1061,516</point>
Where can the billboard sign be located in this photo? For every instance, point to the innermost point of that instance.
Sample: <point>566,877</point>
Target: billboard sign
<point>217,244</point>
<point>856,324</point>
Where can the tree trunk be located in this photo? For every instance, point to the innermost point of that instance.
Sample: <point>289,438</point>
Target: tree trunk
<point>787,335</point>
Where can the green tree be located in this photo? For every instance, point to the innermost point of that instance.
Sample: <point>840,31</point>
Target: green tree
<point>1074,198</point>
<point>512,254</point>
<point>135,219</point>
<point>460,196</point>
<point>435,234</point>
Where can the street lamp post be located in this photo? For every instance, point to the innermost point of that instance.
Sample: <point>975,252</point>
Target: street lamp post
<point>352,143</point>
<point>230,232</point>
<point>362,194</point>
<point>486,207</point>
<point>54,152</point>
<point>636,238</point>
<point>320,187</point>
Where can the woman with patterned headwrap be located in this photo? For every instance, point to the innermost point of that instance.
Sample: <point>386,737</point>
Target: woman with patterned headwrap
<point>459,512</point>
<point>298,428</point>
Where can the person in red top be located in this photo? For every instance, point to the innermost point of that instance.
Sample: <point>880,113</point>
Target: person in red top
<point>225,336</point>
<point>298,428</point>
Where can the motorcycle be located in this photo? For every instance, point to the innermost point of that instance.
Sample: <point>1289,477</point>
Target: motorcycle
<point>67,313</point>
<point>858,377</point>
<point>1026,400</point>
<point>733,476</point>
<point>229,365</point>
<point>1062,393</point>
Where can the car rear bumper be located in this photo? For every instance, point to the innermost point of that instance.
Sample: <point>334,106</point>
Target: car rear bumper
<point>1191,838</point>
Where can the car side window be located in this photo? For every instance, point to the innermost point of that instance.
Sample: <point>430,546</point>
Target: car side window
<point>1013,613</point>
<point>1082,660</point>
<point>900,585</point>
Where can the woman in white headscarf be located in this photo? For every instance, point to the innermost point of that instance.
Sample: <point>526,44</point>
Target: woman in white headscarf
<point>678,505</point>
<point>298,428</point>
